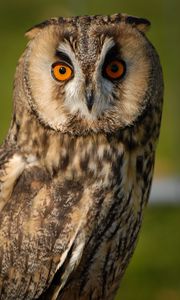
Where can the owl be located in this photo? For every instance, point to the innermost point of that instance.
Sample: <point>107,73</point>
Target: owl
<point>77,163</point>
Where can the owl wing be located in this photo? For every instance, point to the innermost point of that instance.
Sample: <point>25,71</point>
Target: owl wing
<point>40,221</point>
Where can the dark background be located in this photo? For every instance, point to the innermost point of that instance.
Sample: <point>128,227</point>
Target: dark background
<point>154,272</point>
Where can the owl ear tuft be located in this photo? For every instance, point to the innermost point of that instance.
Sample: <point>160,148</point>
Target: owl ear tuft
<point>33,31</point>
<point>140,23</point>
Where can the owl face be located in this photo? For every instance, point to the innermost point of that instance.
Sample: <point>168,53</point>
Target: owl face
<point>89,73</point>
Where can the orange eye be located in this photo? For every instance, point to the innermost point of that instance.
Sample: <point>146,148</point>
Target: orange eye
<point>61,71</point>
<point>115,69</point>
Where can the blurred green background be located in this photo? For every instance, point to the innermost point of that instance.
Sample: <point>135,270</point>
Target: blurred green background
<point>154,272</point>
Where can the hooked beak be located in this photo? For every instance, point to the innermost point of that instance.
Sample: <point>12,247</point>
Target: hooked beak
<point>89,100</point>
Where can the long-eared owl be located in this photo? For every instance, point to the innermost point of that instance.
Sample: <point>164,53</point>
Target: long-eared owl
<point>77,163</point>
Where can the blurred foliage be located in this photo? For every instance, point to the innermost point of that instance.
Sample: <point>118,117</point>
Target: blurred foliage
<point>17,16</point>
<point>154,272</point>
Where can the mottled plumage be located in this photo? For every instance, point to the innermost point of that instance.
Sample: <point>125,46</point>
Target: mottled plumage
<point>77,164</point>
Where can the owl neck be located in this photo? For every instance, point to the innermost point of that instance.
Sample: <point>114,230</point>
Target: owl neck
<point>58,151</point>
<point>64,153</point>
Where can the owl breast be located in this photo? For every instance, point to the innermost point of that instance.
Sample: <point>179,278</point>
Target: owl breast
<point>101,190</point>
<point>90,204</point>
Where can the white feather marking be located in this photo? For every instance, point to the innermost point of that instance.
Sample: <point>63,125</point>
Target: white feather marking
<point>13,169</point>
<point>107,45</point>
<point>31,160</point>
<point>73,262</point>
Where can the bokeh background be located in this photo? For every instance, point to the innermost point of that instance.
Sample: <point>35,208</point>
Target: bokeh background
<point>154,272</point>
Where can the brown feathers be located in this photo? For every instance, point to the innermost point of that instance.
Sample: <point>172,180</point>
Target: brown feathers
<point>74,181</point>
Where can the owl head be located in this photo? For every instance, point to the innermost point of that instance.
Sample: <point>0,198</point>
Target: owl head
<point>88,74</point>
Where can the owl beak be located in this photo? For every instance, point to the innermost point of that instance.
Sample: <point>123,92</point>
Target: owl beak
<point>89,100</point>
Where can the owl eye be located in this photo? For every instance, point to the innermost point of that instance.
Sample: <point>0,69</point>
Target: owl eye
<point>115,69</point>
<point>61,71</point>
